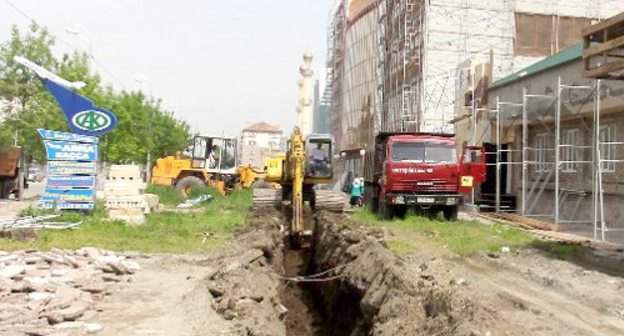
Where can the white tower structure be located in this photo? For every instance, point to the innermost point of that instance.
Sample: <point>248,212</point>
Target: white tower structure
<point>304,106</point>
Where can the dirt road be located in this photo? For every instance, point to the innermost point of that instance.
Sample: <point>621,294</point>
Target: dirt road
<point>518,293</point>
<point>10,208</point>
<point>166,297</point>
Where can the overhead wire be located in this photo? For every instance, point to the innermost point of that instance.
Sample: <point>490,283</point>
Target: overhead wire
<point>115,78</point>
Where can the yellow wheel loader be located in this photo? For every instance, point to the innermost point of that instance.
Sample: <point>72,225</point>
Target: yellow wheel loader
<point>212,161</point>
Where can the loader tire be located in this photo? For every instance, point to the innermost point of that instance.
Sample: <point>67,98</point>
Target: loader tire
<point>186,184</point>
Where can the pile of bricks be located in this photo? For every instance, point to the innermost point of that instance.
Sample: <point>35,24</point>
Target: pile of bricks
<point>125,196</point>
<point>52,293</point>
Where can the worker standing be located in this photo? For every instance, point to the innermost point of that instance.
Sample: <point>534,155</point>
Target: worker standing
<point>357,189</point>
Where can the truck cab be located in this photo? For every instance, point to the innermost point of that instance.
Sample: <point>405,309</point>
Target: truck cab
<point>419,170</point>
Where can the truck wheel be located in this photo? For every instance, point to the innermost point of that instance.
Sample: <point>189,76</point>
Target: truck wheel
<point>385,210</point>
<point>450,213</point>
<point>400,211</point>
<point>187,183</point>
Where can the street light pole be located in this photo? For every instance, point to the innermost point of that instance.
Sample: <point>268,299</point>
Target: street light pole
<point>142,79</point>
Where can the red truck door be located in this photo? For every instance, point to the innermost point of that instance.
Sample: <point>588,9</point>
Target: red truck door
<point>471,168</point>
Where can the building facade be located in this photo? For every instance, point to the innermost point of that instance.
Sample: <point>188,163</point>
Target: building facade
<point>419,44</point>
<point>564,140</point>
<point>354,82</point>
<point>258,141</point>
<point>322,108</point>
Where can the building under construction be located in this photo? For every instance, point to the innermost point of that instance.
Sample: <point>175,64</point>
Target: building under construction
<point>394,63</point>
<point>553,139</point>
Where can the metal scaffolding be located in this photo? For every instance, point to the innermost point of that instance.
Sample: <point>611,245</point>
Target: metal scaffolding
<point>536,156</point>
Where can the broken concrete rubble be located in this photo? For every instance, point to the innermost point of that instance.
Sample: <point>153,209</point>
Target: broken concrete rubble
<point>49,293</point>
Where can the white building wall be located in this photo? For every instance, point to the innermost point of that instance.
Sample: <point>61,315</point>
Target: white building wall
<point>255,146</point>
<point>456,30</point>
<point>359,83</point>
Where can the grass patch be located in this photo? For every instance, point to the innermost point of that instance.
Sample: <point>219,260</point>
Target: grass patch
<point>167,195</point>
<point>458,237</point>
<point>560,250</point>
<point>167,231</point>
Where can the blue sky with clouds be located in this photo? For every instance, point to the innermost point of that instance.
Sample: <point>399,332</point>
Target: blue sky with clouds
<point>218,63</point>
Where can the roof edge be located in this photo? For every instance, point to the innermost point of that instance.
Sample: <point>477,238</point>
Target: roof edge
<point>563,57</point>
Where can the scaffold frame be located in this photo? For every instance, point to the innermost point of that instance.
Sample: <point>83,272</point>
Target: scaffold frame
<point>530,195</point>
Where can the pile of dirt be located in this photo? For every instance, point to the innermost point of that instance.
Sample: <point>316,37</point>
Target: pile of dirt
<point>242,284</point>
<point>375,294</point>
<point>349,283</point>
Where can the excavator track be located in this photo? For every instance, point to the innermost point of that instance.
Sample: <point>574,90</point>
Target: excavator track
<point>329,200</point>
<point>266,197</point>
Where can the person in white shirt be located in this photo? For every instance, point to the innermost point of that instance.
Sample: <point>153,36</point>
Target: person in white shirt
<point>319,159</point>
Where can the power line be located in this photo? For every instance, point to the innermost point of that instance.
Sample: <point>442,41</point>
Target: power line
<point>19,10</point>
<point>60,39</point>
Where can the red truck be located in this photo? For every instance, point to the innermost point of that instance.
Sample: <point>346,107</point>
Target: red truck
<point>420,170</point>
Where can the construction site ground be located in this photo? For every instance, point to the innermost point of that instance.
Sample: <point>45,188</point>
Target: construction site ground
<point>356,286</point>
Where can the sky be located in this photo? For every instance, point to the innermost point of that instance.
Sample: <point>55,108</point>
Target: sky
<point>216,63</point>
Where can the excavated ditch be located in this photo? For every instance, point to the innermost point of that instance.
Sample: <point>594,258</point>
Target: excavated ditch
<point>348,283</point>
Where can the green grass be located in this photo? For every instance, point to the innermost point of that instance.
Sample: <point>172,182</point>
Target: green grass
<point>458,237</point>
<point>168,231</point>
<point>560,250</point>
<point>168,195</point>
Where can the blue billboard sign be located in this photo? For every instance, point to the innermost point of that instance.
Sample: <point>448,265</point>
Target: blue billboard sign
<point>69,182</point>
<point>66,136</point>
<point>70,151</point>
<point>68,195</point>
<point>83,116</point>
<point>71,168</point>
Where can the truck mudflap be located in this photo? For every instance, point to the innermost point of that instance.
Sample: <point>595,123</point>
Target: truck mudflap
<point>424,200</point>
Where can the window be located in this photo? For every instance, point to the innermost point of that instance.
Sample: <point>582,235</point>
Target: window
<point>423,152</point>
<point>541,148</point>
<point>541,35</point>
<point>607,150</point>
<point>570,153</point>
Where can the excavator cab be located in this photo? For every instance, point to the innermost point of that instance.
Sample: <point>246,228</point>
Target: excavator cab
<point>319,161</point>
<point>214,154</point>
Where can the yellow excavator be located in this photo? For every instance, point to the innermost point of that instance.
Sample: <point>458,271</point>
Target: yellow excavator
<point>301,172</point>
<point>212,161</point>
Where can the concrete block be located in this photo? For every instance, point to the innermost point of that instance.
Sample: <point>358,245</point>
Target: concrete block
<point>124,173</point>
<point>122,190</point>
<point>130,215</point>
<point>126,202</point>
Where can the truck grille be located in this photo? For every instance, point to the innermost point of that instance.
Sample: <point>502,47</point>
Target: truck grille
<point>429,186</point>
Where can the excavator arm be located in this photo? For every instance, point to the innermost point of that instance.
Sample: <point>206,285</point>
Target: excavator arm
<point>297,184</point>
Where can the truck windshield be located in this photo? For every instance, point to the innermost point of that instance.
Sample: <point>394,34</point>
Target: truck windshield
<point>423,152</point>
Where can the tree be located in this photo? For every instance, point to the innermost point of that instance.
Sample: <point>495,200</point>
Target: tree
<point>143,124</point>
<point>26,104</point>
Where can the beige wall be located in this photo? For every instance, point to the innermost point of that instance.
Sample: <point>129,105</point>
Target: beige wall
<point>576,113</point>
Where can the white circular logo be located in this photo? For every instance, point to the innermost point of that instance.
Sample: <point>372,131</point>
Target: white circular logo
<point>91,120</point>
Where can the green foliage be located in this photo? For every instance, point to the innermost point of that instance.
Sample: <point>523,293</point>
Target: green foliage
<point>166,232</point>
<point>458,237</point>
<point>167,195</point>
<point>143,124</point>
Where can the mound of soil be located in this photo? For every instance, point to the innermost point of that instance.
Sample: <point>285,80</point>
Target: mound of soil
<point>376,295</point>
<point>242,285</point>
<point>352,285</point>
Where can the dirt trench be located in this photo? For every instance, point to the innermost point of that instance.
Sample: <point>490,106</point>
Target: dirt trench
<point>348,283</point>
